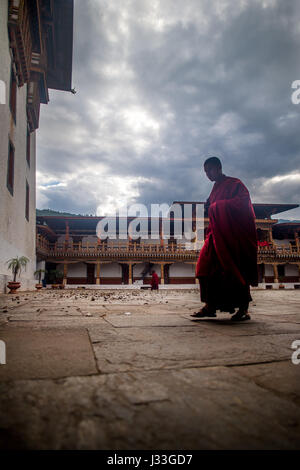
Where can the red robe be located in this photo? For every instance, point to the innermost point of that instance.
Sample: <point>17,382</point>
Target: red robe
<point>154,281</point>
<point>229,254</point>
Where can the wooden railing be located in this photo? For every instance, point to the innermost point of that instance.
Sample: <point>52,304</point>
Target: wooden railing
<point>121,251</point>
<point>129,249</point>
<point>112,250</point>
<point>279,252</point>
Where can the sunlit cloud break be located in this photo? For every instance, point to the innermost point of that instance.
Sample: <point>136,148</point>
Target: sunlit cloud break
<point>160,86</point>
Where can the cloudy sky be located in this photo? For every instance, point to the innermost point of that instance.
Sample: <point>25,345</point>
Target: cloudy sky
<point>161,85</point>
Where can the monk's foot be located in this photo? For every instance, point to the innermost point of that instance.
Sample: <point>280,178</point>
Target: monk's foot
<point>241,315</point>
<point>204,312</point>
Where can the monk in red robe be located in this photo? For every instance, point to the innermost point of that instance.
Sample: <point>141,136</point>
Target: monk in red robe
<point>154,281</point>
<point>227,264</point>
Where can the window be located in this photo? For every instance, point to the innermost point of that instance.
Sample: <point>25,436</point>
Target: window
<point>10,168</point>
<point>27,201</point>
<point>28,147</point>
<point>13,94</point>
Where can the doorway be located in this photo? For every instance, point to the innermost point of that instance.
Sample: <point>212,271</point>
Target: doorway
<point>90,273</point>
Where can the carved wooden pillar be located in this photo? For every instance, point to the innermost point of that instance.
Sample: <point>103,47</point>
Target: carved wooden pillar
<point>65,274</point>
<point>271,236</point>
<point>162,273</point>
<point>161,233</point>
<point>130,273</point>
<point>275,270</point>
<point>297,241</point>
<point>97,272</point>
<point>67,235</point>
<point>196,279</point>
<point>195,240</point>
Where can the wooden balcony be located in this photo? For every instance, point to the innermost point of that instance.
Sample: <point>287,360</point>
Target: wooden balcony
<point>278,253</point>
<point>128,250</point>
<point>20,37</point>
<point>114,251</point>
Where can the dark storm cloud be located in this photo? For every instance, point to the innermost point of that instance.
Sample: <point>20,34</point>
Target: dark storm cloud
<point>161,85</point>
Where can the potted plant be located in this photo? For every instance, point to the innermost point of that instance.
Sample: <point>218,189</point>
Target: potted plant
<point>56,277</point>
<point>16,265</point>
<point>39,274</point>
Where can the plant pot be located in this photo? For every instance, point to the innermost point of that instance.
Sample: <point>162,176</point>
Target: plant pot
<point>13,286</point>
<point>38,286</point>
<point>61,286</point>
<point>55,286</point>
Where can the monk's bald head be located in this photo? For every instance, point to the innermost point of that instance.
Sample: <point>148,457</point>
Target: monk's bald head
<point>213,168</point>
<point>213,161</point>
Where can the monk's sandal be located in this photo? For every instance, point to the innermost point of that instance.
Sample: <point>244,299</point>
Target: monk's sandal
<point>241,316</point>
<point>204,313</point>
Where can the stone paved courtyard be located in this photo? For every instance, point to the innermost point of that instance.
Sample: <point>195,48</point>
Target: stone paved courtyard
<point>91,369</point>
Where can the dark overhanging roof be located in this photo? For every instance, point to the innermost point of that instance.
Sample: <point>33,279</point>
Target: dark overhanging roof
<point>265,211</point>
<point>89,223</point>
<point>59,73</point>
<point>286,229</point>
<point>75,223</point>
<point>262,211</point>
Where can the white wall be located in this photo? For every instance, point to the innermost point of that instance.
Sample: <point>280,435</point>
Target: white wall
<point>110,270</point>
<point>269,270</point>
<point>76,270</point>
<point>182,270</point>
<point>17,235</point>
<point>40,265</point>
<point>138,269</point>
<point>291,270</point>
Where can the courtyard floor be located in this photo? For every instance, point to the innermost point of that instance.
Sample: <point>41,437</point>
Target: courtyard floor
<point>89,369</point>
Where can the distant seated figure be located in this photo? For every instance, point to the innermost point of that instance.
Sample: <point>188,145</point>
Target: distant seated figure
<point>154,281</point>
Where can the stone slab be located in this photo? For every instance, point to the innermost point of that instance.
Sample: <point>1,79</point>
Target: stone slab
<point>207,408</point>
<point>165,348</point>
<point>43,353</point>
<point>281,378</point>
<point>163,381</point>
<point>257,326</point>
<point>142,319</point>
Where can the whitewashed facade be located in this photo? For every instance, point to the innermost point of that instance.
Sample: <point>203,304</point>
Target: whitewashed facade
<point>32,34</point>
